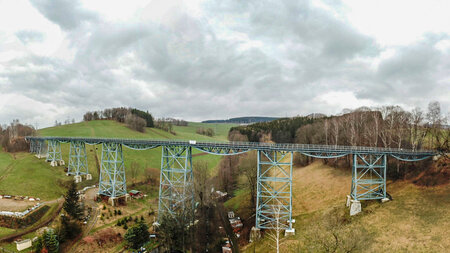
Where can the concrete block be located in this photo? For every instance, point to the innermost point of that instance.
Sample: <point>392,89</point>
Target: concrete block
<point>348,200</point>
<point>255,234</point>
<point>288,232</point>
<point>355,207</point>
<point>78,179</point>
<point>61,163</point>
<point>88,177</point>
<point>53,163</point>
<point>385,200</point>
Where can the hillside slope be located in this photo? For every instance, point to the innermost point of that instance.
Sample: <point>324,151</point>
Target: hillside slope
<point>417,220</point>
<point>24,174</point>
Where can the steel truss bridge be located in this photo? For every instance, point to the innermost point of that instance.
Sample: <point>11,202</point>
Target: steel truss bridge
<point>274,170</point>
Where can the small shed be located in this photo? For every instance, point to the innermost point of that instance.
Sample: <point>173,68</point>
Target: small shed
<point>24,244</point>
<point>135,194</point>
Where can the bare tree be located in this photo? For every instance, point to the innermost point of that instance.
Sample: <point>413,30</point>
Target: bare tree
<point>274,234</point>
<point>247,166</point>
<point>415,121</point>
<point>201,175</point>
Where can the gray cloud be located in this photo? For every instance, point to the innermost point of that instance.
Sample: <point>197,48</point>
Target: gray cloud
<point>68,14</point>
<point>241,58</point>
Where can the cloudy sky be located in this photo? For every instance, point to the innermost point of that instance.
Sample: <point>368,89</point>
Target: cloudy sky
<point>211,59</point>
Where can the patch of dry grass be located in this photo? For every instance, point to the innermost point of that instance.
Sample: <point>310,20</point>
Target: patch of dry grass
<point>417,220</point>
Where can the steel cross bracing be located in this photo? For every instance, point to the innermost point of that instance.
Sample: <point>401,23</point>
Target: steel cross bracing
<point>33,146</point>
<point>112,173</point>
<point>274,190</point>
<point>54,152</point>
<point>176,188</point>
<point>78,164</point>
<point>368,177</point>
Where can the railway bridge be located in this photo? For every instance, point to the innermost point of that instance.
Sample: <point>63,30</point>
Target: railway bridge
<point>274,170</point>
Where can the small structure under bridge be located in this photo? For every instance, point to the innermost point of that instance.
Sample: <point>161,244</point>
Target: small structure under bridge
<point>274,175</point>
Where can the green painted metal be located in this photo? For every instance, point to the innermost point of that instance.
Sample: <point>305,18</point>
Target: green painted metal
<point>176,188</point>
<point>112,182</point>
<point>78,164</point>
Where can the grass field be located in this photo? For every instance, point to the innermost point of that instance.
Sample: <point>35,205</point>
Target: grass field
<point>417,220</point>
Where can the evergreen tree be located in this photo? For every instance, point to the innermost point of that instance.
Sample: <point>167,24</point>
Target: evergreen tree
<point>51,242</point>
<point>71,205</point>
<point>39,245</point>
<point>137,235</point>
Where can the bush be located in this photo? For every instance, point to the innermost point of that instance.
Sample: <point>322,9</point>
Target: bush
<point>205,131</point>
<point>136,123</point>
<point>137,235</point>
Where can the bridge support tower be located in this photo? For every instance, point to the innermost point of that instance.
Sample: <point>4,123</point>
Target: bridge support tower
<point>274,191</point>
<point>368,180</point>
<point>112,182</point>
<point>176,189</point>
<point>33,146</point>
<point>54,153</point>
<point>78,164</point>
<point>41,149</point>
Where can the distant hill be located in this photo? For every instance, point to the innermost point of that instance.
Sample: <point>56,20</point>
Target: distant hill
<point>242,120</point>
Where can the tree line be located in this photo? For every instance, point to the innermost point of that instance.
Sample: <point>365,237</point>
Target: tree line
<point>12,136</point>
<point>132,117</point>
<point>387,126</point>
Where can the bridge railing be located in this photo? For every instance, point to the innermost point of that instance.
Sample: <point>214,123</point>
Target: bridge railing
<point>243,145</point>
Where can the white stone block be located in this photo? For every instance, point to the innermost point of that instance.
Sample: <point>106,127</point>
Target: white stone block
<point>348,200</point>
<point>61,163</point>
<point>384,200</point>
<point>88,177</point>
<point>53,163</point>
<point>78,179</point>
<point>355,207</point>
<point>288,232</point>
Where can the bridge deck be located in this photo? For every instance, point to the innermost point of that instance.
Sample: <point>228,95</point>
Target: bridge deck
<point>243,146</point>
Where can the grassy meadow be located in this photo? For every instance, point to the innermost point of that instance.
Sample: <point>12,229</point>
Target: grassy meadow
<point>24,174</point>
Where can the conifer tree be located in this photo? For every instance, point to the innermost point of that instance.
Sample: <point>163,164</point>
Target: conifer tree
<point>71,205</point>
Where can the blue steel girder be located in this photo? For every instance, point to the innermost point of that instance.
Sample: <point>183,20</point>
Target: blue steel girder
<point>140,146</point>
<point>410,157</point>
<point>176,189</point>
<point>78,164</point>
<point>368,176</point>
<point>54,151</point>
<point>325,154</point>
<point>214,150</point>
<point>274,190</point>
<point>112,181</point>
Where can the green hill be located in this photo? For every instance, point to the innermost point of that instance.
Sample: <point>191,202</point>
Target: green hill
<point>24,174</point>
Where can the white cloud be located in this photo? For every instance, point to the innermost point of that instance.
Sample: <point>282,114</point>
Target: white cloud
<point>216,59</point>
